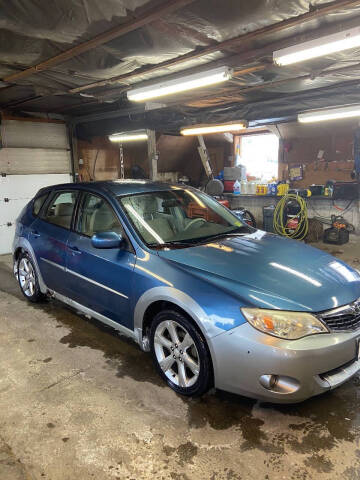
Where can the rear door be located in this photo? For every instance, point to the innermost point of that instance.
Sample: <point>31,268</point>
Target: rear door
<point>49,235</point>
<point>100,279</point>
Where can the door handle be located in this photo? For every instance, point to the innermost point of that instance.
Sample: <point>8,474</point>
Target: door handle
<point>75,250</point>
<point>35,233</point>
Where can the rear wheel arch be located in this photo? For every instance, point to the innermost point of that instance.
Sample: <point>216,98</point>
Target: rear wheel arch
<point>28,278</point>
<point>17,253</point>
<point>23,247</point>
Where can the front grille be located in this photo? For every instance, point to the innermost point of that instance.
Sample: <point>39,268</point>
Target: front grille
<point>343,318</point>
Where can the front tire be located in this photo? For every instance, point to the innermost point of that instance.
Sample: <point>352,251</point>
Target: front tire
<point>28,279</point>
<point>180,354</point>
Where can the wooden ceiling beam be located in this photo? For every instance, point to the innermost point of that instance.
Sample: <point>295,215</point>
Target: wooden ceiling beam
<point>319,12</point>
<point>228,95</point>
<point>140,21</point>
<point>18,102</point>
<point>309,76</point>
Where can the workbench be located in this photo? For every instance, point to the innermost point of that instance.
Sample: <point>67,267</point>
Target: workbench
<point>318,205</point>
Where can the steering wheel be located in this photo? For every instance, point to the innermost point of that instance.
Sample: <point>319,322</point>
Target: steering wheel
<point>193,221</point>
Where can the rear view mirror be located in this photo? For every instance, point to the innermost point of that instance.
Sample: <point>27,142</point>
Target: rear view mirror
<point>106,240</point>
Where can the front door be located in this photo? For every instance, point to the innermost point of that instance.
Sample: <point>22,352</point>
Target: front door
<point>49,236</point>
<point>100,279</point>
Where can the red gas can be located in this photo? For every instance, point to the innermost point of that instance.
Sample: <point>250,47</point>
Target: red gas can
<point>229,186</point>
<point>225,203</point>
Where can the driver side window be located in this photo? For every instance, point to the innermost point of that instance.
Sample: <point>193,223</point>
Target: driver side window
<point>96,216</point>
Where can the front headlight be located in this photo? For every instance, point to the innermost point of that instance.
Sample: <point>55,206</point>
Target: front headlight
<point>287,325</point>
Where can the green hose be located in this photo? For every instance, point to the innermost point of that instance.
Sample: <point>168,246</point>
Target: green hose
<point>279,217</point>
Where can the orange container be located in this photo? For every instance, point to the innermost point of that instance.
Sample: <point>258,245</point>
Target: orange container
<point>225,203</point>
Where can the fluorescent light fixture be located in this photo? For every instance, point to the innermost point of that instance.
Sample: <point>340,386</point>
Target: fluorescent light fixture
<point>182,84</point>
<point>319,47</point>
<point>329,114</point>
<point>135,136</point>
<point>205,129</point>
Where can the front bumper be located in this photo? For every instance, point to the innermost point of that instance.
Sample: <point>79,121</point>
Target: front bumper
<point>310,365</point>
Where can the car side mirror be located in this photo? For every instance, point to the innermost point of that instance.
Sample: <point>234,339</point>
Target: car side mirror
<point>107,240</point>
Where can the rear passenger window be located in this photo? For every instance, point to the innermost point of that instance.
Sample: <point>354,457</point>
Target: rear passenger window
<point>61,208</point>
<point>38,203</point>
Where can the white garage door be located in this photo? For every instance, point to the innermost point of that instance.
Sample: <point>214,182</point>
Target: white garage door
<point>32,155</point>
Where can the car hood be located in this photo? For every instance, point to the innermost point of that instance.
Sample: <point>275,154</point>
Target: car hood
<point>269,271</point>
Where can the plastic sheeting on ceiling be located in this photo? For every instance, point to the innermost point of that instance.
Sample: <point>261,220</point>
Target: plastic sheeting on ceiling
<point>35,30</point>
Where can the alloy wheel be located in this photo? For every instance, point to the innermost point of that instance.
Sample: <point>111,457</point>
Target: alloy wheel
<point>176,353</point>
<point>26,277</point>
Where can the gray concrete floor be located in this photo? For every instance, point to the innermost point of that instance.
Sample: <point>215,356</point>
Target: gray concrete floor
<point>79,402</point>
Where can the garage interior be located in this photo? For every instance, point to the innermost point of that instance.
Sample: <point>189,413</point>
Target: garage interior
<point>76,398</point>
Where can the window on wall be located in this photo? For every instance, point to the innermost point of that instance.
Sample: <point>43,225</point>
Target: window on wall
<point>259,154</point>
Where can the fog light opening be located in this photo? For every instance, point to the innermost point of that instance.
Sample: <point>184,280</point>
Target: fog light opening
<point>268,381</point>
<point>279,383</point>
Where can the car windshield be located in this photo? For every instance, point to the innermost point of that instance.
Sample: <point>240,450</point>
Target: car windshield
<point>179,216</point>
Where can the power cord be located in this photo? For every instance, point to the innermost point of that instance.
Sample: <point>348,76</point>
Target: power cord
<point>280,217</point>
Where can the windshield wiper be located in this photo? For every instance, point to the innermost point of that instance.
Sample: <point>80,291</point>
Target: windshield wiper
<point>196,241</point>
<point>240,233</point>
<point>174,243</point>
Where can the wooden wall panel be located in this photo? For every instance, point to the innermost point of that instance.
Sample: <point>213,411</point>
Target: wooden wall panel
<point>302,144</point>
<point>176,154</point>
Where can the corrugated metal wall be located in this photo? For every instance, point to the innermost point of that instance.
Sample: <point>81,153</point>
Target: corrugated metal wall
<point>33,154</point>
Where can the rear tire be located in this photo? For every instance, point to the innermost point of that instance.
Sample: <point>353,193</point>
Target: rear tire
<point>28,279</point>
<point>180,354</point>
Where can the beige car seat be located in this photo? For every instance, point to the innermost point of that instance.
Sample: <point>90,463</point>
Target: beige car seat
<point>63,214</point>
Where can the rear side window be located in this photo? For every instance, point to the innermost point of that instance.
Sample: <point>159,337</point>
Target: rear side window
<point>38,203</point>
<point>61,209</point>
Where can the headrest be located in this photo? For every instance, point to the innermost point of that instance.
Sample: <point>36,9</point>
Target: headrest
<point>137,203</point>
<point>170,203</point>
<point>63,209</point>
<point>150,204</point>
<point>143,204</point>
<point>104,219</point>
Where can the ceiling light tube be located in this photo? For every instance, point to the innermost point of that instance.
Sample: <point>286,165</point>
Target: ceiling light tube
<point>335,113</point>
<point>319,47</point>
<point>135,136</point>
<point>182,84</point>
<point>207,129</point>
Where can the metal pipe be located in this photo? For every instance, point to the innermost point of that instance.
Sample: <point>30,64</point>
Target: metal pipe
<point>73,151</point>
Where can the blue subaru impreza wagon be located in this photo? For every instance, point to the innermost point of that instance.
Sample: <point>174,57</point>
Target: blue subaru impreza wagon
<point>217,302</point>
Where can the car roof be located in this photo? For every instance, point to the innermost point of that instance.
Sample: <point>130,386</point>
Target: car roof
<point>117,187</point>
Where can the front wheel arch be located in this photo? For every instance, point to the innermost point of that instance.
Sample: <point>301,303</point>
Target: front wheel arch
<point>161,305</point>
<point>205,381</point>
